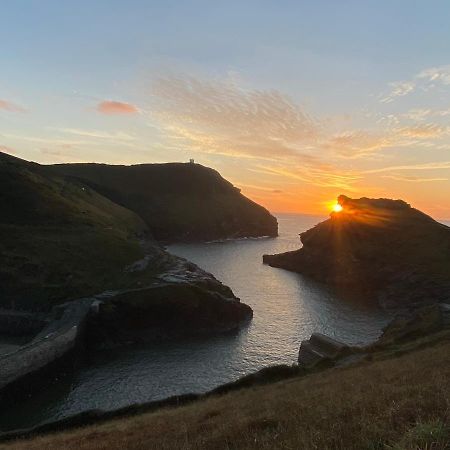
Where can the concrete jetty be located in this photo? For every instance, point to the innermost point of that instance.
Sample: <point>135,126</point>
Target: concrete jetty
<point>61,334</point>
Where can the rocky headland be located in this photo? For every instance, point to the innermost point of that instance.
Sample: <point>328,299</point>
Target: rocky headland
<point>64,244</point>
<point>378,250</point>
<point>61,240</point>
<point>178,202</point>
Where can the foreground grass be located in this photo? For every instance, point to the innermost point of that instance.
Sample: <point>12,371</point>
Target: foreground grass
<point>397,403</point>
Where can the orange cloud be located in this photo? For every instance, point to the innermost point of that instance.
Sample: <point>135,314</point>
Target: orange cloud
<point>11,107</point>
<point>413,179</point>
<point>8,150</point>
<point>440,165</point>
<point>111,107</point>
<point>354,144</point>
<point>307,159</point>
<point>422,131</point>
<point>220,117</point>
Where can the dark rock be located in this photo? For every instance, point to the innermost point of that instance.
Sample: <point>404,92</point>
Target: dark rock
<point>379,249</point>
<point>179,202</point>
<point>321,350</point>
<point>166,310</point>
<point>412,324</point>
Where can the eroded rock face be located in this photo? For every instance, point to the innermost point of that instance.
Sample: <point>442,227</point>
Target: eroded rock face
<point>182,301</point>
<point>380,248</point>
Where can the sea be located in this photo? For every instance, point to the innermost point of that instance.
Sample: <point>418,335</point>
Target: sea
<point>287,307</point>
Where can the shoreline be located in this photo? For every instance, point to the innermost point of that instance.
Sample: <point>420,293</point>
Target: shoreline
<point>426,323</point>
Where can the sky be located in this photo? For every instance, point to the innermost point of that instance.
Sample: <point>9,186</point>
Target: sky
<point>294,102</point>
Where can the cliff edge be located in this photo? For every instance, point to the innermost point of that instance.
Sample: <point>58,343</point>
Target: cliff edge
<point>178,202</point>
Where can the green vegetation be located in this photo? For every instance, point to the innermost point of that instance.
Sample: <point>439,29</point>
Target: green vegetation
<point>59,239</point>
<point>177,201</point>
<point>433,435</point>
<point>385,402</point>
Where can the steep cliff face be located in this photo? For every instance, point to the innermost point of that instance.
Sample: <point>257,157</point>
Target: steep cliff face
<point>178,202</point>
<point>61,240</point>
<point>380,248</point>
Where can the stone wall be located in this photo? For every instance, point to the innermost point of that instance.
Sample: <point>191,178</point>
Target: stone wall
<point>52,343</point>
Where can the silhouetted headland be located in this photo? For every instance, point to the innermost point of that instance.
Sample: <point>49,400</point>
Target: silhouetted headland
<point>178,202</point>
<point>378,248</point>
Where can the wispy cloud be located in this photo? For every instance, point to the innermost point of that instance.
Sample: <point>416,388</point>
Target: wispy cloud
<point>421,114</point>
<point>6,149</point>
<point>418,114</point>
<point>96,134</point>
<point>323,176</point>
<point>110,107</point>
<point>356,144</point>
<point>10,107</point>
<point>73,137</point>
<point>439,74</point>
<point>42,140</point>
<point>424,80</point>
<point>429,130</point>
<point>398,89</point>
<point>360,143</point>
<point>413,179</point>
<point>280,138</point>
<point>220,116</point>
<point>438,165</point>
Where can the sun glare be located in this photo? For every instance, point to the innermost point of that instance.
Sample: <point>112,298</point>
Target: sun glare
<point>337,208</point>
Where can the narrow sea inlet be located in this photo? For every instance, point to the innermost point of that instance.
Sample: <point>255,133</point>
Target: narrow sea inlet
<point>287,309</point>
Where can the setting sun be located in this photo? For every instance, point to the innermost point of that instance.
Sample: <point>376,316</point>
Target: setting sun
<point>337,208</point>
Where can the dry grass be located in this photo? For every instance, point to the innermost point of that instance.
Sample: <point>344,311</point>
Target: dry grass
<point>398,403</point>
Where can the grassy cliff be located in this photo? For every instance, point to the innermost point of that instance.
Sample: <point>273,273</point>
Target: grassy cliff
<point>58,238</point>
<point>61,240</point>
<point>177,201</point>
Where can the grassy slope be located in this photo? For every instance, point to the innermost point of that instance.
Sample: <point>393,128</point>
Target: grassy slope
<point>177,201</point>
<point>400,402</point>
<point>59,239</point>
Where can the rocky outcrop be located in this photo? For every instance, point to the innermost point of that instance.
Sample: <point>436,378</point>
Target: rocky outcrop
<point>320,349</point>
<point>412,324</point>
<point>378,249</point>
<point>166,310</point>
<point>183,300</point>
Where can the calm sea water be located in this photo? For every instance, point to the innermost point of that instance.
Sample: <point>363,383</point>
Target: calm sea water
<point>287,308</point>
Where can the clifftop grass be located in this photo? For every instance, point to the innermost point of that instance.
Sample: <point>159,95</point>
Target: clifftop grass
<point>400,402</point>
<point>177,201</point>
<point>59,239</point>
